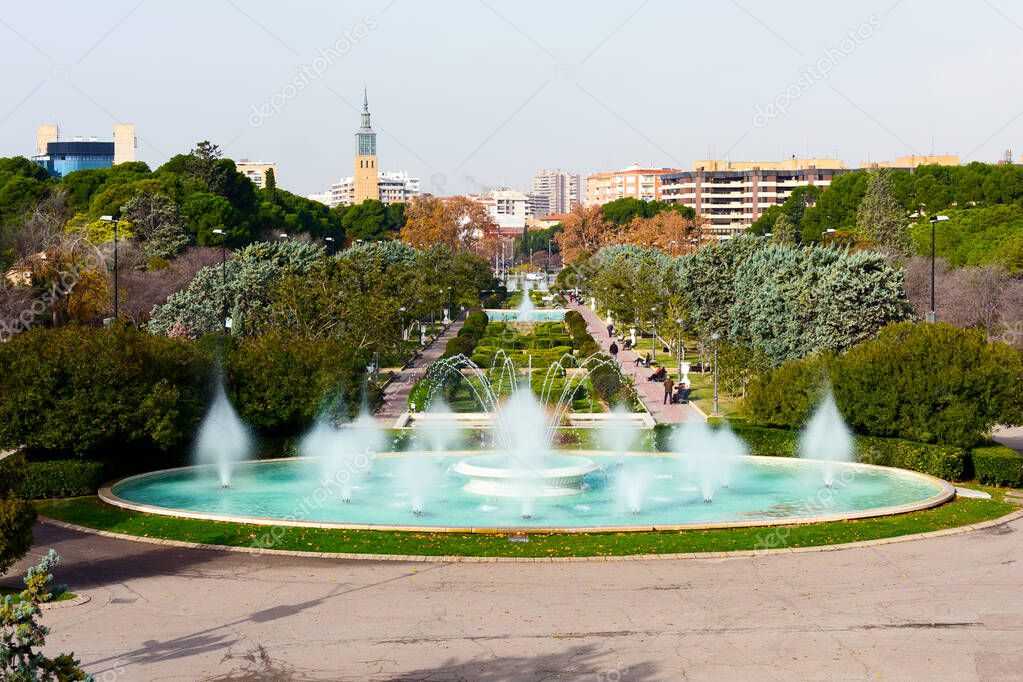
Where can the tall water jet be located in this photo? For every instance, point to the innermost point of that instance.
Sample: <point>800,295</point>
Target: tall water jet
<point>728,449</point>
<point>618,434</point>
<point>223,439</point>
<point>697,445</point>
<point>439,432</point>
<point>827,437</point>
<point>345,453</point>
<point>526,306</point>
<point>631,487</point>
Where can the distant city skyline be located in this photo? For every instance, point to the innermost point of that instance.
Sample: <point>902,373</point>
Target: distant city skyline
<point>486,94</point>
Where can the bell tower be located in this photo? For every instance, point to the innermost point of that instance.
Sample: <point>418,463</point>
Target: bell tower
<point>366,173</point>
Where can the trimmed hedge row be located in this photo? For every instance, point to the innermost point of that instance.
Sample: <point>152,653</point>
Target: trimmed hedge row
<point>581,339</point>
<point>998,465</point>
<point>468,336</point>
<point>62,478</point>
<point>945,462</point>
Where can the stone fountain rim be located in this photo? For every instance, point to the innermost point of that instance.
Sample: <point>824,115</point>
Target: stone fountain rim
<point>945,493</point>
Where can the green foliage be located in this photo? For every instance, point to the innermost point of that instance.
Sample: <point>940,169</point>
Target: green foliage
<point>944,461</point>
<point>998,465</point>
<point>17,515</point>
<point>931,383</point>
<point>62,478</point>
<point>115,393</point>
<point>243,284</point>
<point>280,383</point>
<point>880,217</point>
<point>21,635</point>
<point>371,220</point>
<point>984,235</point>
<point>537,241</point>
<point>464,343</point>
<point>623,211</point>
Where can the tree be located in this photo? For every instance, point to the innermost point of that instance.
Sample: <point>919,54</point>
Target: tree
<point>21,634</point>
<point>669,231</point>
<point>458,223</point>
<point>369,221</point>
<point>785,231</point>
<point>203,162</point>
<point>881,218</point>
<point>156,224</point>
<point>270,180</point>
<point>585,230</point>
<point>17,516</point>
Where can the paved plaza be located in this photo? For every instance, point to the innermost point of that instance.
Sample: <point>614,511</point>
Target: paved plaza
<point>939,608</point>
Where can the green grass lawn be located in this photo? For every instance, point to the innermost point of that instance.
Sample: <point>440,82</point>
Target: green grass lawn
<point>90,512</point>
<point>703,396</point>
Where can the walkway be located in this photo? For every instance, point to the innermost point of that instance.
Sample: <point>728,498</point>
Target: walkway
<point>396,393</point>
<point>937,608</point>
<point>650,393</point>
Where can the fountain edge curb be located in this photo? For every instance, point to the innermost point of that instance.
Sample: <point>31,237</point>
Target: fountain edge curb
<point>959,530</point>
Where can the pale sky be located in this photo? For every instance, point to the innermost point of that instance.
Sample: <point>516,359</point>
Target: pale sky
<point>469,94</point>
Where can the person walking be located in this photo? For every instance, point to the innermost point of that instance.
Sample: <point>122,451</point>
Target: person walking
<point>613,350</point>
<point>669,386</point>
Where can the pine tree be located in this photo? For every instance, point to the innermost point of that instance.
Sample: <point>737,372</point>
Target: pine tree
<point>786,231</point>
<point>881,218</point>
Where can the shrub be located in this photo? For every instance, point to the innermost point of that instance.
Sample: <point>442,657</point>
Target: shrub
<point>279,383</point>
<point>931,383</point>
<point>769,442</point>
<point>62,478</point>
<point>110,393</point>
<point>998,465</point>
<point>943,461</point>
<point>17,516</point>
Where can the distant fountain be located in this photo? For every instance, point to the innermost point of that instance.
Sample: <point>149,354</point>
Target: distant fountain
<point>827,437</point>
<point>526,307</point>
<point>223,440</point>
<point>439,433</point>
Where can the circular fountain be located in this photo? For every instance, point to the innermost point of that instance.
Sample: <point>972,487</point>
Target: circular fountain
<point>347,478</point>
<point>500,476</point>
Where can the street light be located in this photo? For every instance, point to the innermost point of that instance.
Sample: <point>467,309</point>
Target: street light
<point>681,350</point>
<point>653,341</point>
<point>932,317</point>
<point>110,219</point>
<point>402,309</point>
<point>714,337</point>
<point>223,270</point>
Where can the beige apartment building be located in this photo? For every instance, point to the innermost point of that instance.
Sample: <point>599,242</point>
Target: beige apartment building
<point>635,181</point>
<point>256,171</point>
<point>731,195</point>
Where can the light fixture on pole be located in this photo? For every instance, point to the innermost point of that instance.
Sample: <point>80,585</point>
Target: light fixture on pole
<point>715,338</point>
<point>681,350</point>
<point>110,219</point>
<point>653,340</point>
<point>932,316</point>
<point>223,274</point>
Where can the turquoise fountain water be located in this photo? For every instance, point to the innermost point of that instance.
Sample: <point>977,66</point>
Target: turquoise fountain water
<point>348,476</point>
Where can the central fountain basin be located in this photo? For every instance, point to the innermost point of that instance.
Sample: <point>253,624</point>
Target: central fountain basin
<point>638,491</point>
<point>504,476</point>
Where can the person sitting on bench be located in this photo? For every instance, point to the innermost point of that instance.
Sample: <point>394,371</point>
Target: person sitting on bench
<point>681,395</point>
<point>659,374</point>
<point>627,345</point>
<point>643,361</point>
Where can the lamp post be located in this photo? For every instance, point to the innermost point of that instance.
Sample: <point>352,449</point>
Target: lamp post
<point>404,336</point>
<point>932,317</point>
<point>653,340</point>
<point>715,337</point>
<point>109,219</point>
<point>681,322</point>
<point>223,270</point>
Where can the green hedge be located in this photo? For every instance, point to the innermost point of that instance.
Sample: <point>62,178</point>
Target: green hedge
<point>17,516</point>
<point>998,465</point>
<point>62,478</point>
<point>945,462</point>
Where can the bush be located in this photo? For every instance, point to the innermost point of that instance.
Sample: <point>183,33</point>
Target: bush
<point>931,383</point>
<point>998,465</point>
<point>108,393</point>
<point>948,463</point>
<point>280,383</point>
<point>62,478</point>
<point>17,516</point>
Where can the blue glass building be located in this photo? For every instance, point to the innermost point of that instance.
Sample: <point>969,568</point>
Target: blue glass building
<point>63,157</point>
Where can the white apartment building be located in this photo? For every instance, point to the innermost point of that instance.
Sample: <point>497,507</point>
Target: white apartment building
<point>637,182</point>
<point>559,187</point>
<point>395,187</point>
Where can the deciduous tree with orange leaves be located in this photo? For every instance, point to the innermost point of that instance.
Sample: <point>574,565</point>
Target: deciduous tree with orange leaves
<point>585,230</point>
<point>670,231</point>
<point>458,223</point>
